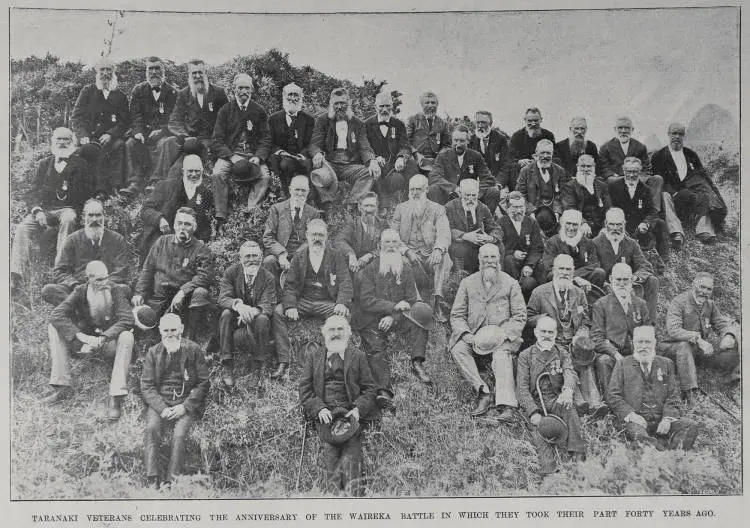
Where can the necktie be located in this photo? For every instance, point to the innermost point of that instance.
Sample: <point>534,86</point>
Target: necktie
<point>562,294</point>
<point>156,89</point>
<point>296,215</point>
<point>429,122</point>
<point>244,108</point>
<point>469,218</point>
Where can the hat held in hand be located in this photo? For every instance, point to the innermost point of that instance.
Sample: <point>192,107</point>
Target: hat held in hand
<point>582,351</point>
<point>244,171</point>
<point>553,429</point>
<point>340,429</point>
<point>145,317</point>
<point>325,178</point>
<point>488,339</point>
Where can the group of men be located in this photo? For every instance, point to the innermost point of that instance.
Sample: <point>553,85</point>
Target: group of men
<point>534,227</point>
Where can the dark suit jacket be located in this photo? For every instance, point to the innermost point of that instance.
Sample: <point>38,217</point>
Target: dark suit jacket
<point>281,139</point>
<point>335,269</point>
<point>570,162</point>
<point>378,294</point>
<point>611,157</point>
<point>324,139</point>
<point>353,239</point>
<point>47,190</point>
<point>230,130</point>
<point>484,219</point>
<point>78,251</point>
<point>628,252</point>
<point>638,209</point>
<point>612,328</point>
<point>446,174</point>
<point>189,119</point>
<point>425,140</point>
<point>529,240</point>
<point>93,116</point>
<point>394,144</point>
<point>262,291</point>
<point>543,301</point>
<point>573,195</point>
<point>73,315</point>
<point>192,363</point>
<point>279,226</point>
<point>523,147</point>
<point>496,156</point>
<point>531,363</point>
<point>585,259</point>
<point>663,165</point>
<point>530,183</point>
<point>627,389</point>
<point>148,114</point>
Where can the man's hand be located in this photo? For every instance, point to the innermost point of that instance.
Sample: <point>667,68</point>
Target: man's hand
<point>582,283</point>
<point>255,160</point>
<point>354,412</point>
<point>523,162</point>
<point>341,310</point>
<point>420,157</point>
<point>566,398</point>
<point>504,192</point>
<point>386,323</point>
<point>380,160</point>
<point>177,299</point>
<point>137,300</point>
<point>139,137</point>
<point>536,418</point>
<point>353,263</point>
<point>526,271</point>
<point>435,257</point>
<point>585,230</point>
<point>706,347</point>
<point>401,306</point>
<point>167,413</point>
<point>178,411</point>
<point>324,416</point>
<point>292,314</point>
<point>164,226</point>
<point>472,237</point>
<point>364,259</point>
<point>411,255</point>
<point>399,164</point>
<point>468,338</point>
<point>284,262</point>
<point>617,356</point>
<point>247,313</point>
<point>154,134</point>
<point>317,163</point>
<point>642,227</point>
<point>41,218</point>
<point>663,427</point>
<point>84,140</point>
<point>374,169</point>
<point>519,255</point>
<point>637,419</point>
<point>727,342</point>
<point>105,139</point>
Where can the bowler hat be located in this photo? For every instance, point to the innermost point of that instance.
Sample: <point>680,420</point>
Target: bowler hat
<point>90,152</point>
<point>325,178</point>
<point>421,315</point>
<point>488,339</point>
<point>145,317</point>
<point>340,429</point>
<point>245,172</point>
<point>553,429</point>
<point>582,351</point>
<point>192,146</point>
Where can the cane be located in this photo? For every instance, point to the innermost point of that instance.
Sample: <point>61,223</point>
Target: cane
<point>544,410</point>
<point>301,454</point>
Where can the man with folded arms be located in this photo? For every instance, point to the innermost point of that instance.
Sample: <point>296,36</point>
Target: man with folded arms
<point>359,239</point>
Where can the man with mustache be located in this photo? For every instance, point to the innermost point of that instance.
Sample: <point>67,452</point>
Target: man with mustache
<point>387,292</point>
<point>523,143</point>
<point>540,182</point>
<point>457,164</point>
<point>569,149</point>
<point>546,356</point>
<point>174,384</point>
<point>93,242</point>
<point>614,246</point>
<point>691,317</point>
<point>240,137</point>
<point>62,184</point>
<point>100,119</point>
<point>472,226</point>
<point>614,317</point>
<point>177,274</point>
<point>488,297</point>
<point>151,104</point>
<point>425,232</point>
<point>339,376</point>
<point>570,241</point>
<point>318,284</point>
<point>247,297</point>
<point>428,133</point>
<point>493,146</point>
<point>644,395</point>
<point>358,240</point>
<point>291,132</point>
<point>689,191</point>
<point>340,139</point>
<point>95,317</point>
<point>588,195</point>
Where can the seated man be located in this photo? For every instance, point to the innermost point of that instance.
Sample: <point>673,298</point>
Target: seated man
<point>472,225</point>
<point>491,298</point>
<point>358,240</point>
<point>546,359</point>
<point>570,241</point>
<point>240,137</point>
<point>338,376</point>
<point>95,317</point>
<point>614,246</point>
<point>690,317</point>
<point>571,148</point>
<point>387,292</point>
<point>688,189</point>
<point>423,228</point>
<point>644,395</point>
<point>523,243</point>
<point>540,183</point>
<point>428,133</point>
<point>588,195</point>
<point>493,146</point>
<point>174,384</point>
<point>176,275</point>
<point>247,297</point>
<point>523,143</point>
<point>614,317</point>
<point>93,242</point>
<point>457,164</point>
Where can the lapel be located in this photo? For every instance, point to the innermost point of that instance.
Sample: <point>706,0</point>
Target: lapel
<point>239,281</point>
<point>319,372</point>
<point>347,368</point>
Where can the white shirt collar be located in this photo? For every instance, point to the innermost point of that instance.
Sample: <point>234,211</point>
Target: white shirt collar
<point>460,158</point>
<point>316,260</point>
<point>624,146</point>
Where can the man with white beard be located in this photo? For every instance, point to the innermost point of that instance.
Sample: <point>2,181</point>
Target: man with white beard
<point>488,298</point>
<point>493,146</point>
<point>428,133</point>
<point>570,241</point>
<point>425,232</point>
<point>644,394</point>
<point>588,195</point>
<point>523,142</point>
<point>174,384</point>
<point>95,317</point>
<point>387,292</point>
<point>100,119</point>
<point>569,149</point>
<point>291,132</point>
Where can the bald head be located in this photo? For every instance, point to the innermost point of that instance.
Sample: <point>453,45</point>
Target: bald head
<point>676,133</point>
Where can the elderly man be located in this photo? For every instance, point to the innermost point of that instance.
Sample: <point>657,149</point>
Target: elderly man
<point>588,195</point>
<point>100,119</point>
<point>460,163</point>
<point>177,274</point>
<point>339,376</point>
<point>93,242</point>
<point>472,225</point>
<point>341,139</point>
<point>358,240</point>
<point>174,384</point>
<point>493,146</point>
<point>569,149</point>
<point>644,395</point>
<point>247,298</point>
<point>492,298</point>
<point>570,241</point>
<point>540,182</point>
<point>688,188</point>
<point>551,365</point>
<point>291,131</point>
<point>425,233</point>
<point>614,317</point>
<point>522,238</point>
<point>523,142</point>
<point>387,292</point>
<point>635,199</point>
<point>690,318</point>
<point>428,133</point>
<point>613,246</point>
<point>159,209</point>
<point>61,186</point>
<point>95,317</point>
<point>241,143</point>
<point>151,104</point>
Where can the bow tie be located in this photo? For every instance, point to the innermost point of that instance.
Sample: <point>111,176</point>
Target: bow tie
<point>384,123</point>
<point>291,116</point>
<point>156,89</point>
<point>60,160</point>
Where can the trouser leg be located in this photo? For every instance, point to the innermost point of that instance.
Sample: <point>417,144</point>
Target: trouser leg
<point>569,415</point>
<point>66,218</point>
<point>220,179</point>
<point>682,434</point>
<point>54,294</point>
<point>418,338</point>
<point>118,383</point>
<point>705,226</point>
<point>351,466</point>
<point>373,341</point>
<point>167,152</point>
<point>441,274</point>
<point>655,183</point>
<point>179,444</point>
<point>261,334</point>
<point>227,329</point>
<point>437,194</point>
<point>502,366</point>
<point>661,234</point>
<point>491,198</point>
<point>259,188</point>
<point>358,176</point>
<point>152,443</point>
<point>587,381</point>
<point>674,225</point>
<point>281,335</point>
<point>137,161</point>
<point>651,294</point>
<point>59,354</point>
<point>463,356</point>
<point>26,233</point>
<point>465,255</point>
<point>547,221</point>
<point>604,366</point>
<point>331,457</point>
<point>682,355</point>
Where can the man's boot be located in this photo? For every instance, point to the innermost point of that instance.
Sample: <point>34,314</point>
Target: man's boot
<point>227,374</point>
<point>418,369</point>
<point>261,372</point>
<point>280,371</point>
<point>59,393</point>
<point>506,413</point>
<point>484,402</point>
<point>114,408</point>
<point>438,309</point>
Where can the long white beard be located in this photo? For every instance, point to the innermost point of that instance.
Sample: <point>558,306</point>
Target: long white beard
<point>572,242</point>
<point>171,345</point>
<point>316,250</point>
<point>480,134</point>
<point>644,358</point>
<point>294,202</point>
<point>490,274</point>
<point>577,146</point>
<point>545,345</point>
<point>391,263</point>
<point>588,184</point>
<point>613,239</point>
<point>194,90</point>
<point>290,107</point>
<point>332,113</point>
<point>63,152</point>
<point>158,81</point>
<point>338,346</point>
<point>419,205</point>
<point>100,303</point>
<point>112,85</point>
<point>251,270</point>
<point>94,233</point>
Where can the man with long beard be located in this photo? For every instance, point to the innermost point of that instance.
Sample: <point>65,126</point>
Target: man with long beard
<point>428,133</point>
<point>151,104</point>
<point>569,149</point>
<point>570,241</point>
<point>540,182</point>
<point>93,242</point>
<point>387,292</point>
<point>174,384</point>
<point>644,395</point>
<point>358,240</point>
<point>291,132</point>
<point>523,143</point>
<point>425,232</point>
<point>100,119</point>
<point>588,195</point>
<point>493,298</point>
<point>493,146</point>
<point>95,317</point>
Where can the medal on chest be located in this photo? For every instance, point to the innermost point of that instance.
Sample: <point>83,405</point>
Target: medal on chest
<point>471,169</point>
<point>161,108</point>
<point>393,133</point>
<point>354,137</point>
<point>640,203</point>
<point>659,374</point>
<point>497,157</point>
<point>637,317</point>
<point>249,125</point>
<point>185,375</point>
<point>210,106</point>
<point>296,134</point>
<point>185,262</point>
<point>585,256</point>
<point>114,118</point>
<point>528,240</point>
<point>333,279</point>
<point>198,199</point>
<point>64,186</point>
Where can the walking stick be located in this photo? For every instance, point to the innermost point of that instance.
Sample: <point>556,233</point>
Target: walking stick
<point>720,405</point>
<point>301,454</point>
<point>544,410</point>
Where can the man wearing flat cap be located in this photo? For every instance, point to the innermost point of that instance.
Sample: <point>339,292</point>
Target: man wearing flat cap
<point>428,133</point>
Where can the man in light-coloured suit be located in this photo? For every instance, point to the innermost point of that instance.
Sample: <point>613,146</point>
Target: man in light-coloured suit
<point>427,132</point>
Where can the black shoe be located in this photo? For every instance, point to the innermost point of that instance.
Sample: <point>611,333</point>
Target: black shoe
<point>227,375</point>
<point>677,241</point>
<point>280,371</point>
<point>506,413</point>
<point>384,399</point>
<point>418,369</point>
<point>58,394</point>
<point>599,412</point>
<point>578,457</point>
<point>707,239</point>
<point>220,222</point>
<point>130,191</point>
<point>438,310</point>
<point>484,403</point>
<point>114,408</point>
<point>152,482</point>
